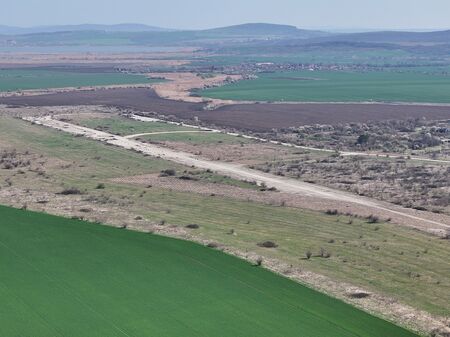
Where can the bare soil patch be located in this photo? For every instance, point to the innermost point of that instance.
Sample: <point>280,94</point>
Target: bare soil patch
<point>260,117</point>
<point>246,153</point>
<point>179,86</point>
<point>140,99</point>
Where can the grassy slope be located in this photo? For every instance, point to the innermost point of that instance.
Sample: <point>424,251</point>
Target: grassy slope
<point>355,259</point>
<point>196,138</point>
<point>70,278</point>
<point>24,79</point>
<point>123,126</point>
<point>338,86</point>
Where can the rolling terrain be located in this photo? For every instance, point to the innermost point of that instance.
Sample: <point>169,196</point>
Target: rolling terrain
<point>320,160</point>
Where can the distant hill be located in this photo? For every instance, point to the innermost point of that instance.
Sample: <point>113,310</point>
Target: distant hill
<point>123,27</point>
<point>265,30</point>
<point>255,29</point>
<point>142,35</point>
<point>392,37</point>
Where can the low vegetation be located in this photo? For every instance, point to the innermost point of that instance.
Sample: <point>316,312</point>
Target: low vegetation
<point>411,184</point>
<point>412,137</point>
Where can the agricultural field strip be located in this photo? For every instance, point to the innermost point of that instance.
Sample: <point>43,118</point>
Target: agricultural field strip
<point>12,81</point>
<point>342,153</point>
<point>330,86</point>
<point>65,289</point>
<point>234,170</point>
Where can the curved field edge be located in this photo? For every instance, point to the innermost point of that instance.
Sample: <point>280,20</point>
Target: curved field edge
<point>71,278</point>
<point>337,86</point>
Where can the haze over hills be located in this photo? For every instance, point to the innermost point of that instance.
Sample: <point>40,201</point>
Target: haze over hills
<point>266,29</point>
<point>247,29</point>
<point>122,27</point>
<point>393,37</point>
<point>244,38</point>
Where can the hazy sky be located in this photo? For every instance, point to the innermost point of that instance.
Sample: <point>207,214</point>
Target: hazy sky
<point>394,14</point>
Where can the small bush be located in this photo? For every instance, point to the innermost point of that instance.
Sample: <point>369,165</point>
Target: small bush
<point>100,186</point>
<point>259,261</point>
<point>70,191</point>
<point>373,219</point>
<point>268,244</point>
<point>168,173</point>
<point>359,295</point>
<point>332,212</point>
<point>308,254</point>
<point>192,226</point>
<point>323,253</point>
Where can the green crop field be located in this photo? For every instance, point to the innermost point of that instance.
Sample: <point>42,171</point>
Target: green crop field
<point>327,86</point>
<point>163,131</point>
<point>63,277</point>
<point>26,79</point>
<point>125,126</point>
<point>196,138</point>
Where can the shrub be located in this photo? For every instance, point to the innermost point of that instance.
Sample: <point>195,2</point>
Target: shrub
<point>100,186</point>
<point>268,244</point>
<point>168,173</point>
<point>308,254</point>
<point>192,226</point>
<point>259,261</point>
<point>323,253</point>
<point>359,294</point>
<point>332,212</point>
<point>85,210</point>
<point>70,191</point>
<point>373,219</point>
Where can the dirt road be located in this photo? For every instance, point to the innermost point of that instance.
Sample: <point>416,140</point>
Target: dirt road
<point>420,220</point>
